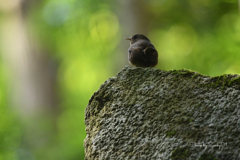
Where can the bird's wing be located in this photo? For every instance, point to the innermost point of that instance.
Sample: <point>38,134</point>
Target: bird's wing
<point>150,50</point>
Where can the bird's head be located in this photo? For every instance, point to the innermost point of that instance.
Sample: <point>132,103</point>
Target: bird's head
<point>136,38</point>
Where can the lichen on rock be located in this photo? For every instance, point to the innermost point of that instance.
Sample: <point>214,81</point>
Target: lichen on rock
<point>146,113</point>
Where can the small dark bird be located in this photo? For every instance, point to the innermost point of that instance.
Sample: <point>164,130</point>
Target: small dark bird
<point>141,52</point>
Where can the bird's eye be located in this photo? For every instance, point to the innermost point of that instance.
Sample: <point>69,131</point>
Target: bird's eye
<point>134,37</point>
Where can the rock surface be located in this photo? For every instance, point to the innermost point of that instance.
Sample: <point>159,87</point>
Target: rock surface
<point>148,114</point>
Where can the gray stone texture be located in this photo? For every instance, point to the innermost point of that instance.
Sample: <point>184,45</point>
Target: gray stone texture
<point>150,114</point>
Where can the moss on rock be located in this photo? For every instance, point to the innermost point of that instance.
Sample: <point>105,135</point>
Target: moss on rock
<point>146,113</point>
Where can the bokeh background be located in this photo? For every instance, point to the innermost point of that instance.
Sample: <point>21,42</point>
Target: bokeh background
<point>56,53</point>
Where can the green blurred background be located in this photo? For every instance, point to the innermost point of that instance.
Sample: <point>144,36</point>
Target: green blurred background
<point>56,53</point>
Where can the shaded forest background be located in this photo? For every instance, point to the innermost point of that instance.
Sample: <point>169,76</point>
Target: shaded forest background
<point>56,53</point>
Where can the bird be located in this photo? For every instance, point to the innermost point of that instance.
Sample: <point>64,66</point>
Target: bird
<point>142,52</point>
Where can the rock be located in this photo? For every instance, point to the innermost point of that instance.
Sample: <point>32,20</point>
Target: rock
<point>149,114</point>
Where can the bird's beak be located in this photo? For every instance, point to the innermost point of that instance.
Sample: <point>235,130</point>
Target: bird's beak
<point>128,38</point>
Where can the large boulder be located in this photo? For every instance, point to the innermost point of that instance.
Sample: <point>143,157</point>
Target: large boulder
<point>149,114</point>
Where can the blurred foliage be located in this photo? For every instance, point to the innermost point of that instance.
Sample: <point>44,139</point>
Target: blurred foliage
<point>81,36</point>
<point>198,35</point>
<point>10,131</point>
